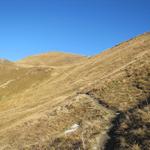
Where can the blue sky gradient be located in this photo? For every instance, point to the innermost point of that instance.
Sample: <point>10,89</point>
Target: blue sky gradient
<point>84,27</point>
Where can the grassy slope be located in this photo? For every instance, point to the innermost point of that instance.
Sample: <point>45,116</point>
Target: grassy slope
<point>40,99</point>
<point>52,59</point>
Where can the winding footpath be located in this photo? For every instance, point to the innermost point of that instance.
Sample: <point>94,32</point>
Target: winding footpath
<point>110,141</point>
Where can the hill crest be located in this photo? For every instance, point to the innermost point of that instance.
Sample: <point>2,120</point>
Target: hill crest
<point>52,59</point>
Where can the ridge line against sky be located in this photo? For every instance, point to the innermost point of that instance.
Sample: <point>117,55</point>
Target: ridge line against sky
<point>84,27</point>
<point>69,52</point>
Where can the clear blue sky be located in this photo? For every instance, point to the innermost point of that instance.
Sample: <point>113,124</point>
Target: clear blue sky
<point>77,26</point>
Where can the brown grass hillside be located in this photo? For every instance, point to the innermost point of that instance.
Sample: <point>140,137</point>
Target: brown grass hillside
<point>52,59</point>
<point>58,101</point>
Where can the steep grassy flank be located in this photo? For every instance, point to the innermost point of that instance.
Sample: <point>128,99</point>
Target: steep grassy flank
<point>111,61</point>
<point>129,94</point>
<point>127,87</point>
<point>43,96</point>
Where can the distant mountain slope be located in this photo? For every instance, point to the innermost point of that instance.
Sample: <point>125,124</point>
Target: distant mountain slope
<point>68,102</point>
<point>6,62</point>
<point>52,59</point>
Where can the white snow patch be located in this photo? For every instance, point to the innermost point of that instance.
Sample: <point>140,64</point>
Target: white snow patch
<point>72,129</point>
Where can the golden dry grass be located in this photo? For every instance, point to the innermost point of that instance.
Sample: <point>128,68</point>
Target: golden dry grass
<point>43,96</point>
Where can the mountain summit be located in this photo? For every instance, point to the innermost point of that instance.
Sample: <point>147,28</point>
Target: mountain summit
<point>52,59</point>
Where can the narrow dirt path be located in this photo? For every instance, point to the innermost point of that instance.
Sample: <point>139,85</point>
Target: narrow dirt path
<point>112,142</point>
<point>103,138</point>
<point>116,132</point>
<point>101,102</point>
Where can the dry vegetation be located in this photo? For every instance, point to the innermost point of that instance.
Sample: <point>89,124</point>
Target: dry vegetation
<point>42,97</point>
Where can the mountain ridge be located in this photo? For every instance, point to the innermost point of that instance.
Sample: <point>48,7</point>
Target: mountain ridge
<point>52,58</point>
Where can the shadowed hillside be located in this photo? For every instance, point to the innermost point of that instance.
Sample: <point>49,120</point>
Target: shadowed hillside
<point>58,101</point>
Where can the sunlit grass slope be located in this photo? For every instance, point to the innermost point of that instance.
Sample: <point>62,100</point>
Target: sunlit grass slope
<point>43,97</point>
